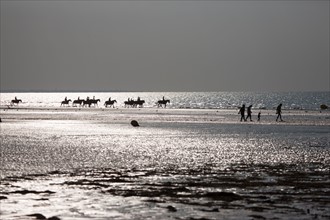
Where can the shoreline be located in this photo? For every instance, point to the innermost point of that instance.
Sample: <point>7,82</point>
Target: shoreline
<point>291,117</point>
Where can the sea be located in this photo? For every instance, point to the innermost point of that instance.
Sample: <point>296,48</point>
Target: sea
<point>193,100</point>
<point>193,160</point>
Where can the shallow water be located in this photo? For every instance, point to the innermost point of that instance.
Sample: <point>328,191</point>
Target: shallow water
<point>191,164</point>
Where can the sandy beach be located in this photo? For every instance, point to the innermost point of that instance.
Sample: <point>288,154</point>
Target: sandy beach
<point>90,163</point>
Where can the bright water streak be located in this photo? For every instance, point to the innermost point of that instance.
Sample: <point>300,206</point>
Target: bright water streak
<point>204,100</point>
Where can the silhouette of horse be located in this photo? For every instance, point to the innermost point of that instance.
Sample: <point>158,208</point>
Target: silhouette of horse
<point>65,102</point>
<point>128,104</point>
<point>91,101</point>
<point>160,103</point>
<point>138,103</point>
<point>78,101</point>
<point>15,101</point>
<point>110,103</point>
<point>134,104</point>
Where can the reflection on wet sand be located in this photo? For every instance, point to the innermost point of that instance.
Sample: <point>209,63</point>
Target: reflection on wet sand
<point>178,164</point>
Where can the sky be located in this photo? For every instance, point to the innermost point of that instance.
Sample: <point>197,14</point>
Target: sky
<point>165,45</point>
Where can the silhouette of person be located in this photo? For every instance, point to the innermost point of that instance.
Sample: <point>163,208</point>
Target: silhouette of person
<point>163,98</point>
<point>15,98</point>
<point>279,112</point>
<point>87,98</point>
<point>249,113</point>
<point>259,116</point>
<point>242,112</point>
<point>66,98</point>
<point>138,99</point>
<point>94,97</point>
<point>110,99</point>
<point>78,97</point>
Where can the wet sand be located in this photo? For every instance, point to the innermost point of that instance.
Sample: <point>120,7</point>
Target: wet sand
<point>71,163</point>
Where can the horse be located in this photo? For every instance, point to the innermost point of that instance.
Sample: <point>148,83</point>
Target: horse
<point>89,102</point>
<point>160,103</point>
<point>77,101</point>
<point>65,102</point>
<point>15,101</point>
<point>134,103</point>
<point>138,103</point>
<point>110,103</point>
<point>129,103</point>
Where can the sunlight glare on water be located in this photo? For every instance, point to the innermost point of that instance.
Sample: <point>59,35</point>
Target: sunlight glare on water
<point>69,144</point>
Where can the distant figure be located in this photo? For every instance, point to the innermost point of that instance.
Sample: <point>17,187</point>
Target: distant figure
<point>94,97</point>
<point>78,98</point>
<point>15,101</point>
<point>163,98</point>
<point>66,99</point>
<point>259,114</point>
<point>109,99</point>
<point>138,99</point>
<point>242,112</point>
<point>279,112</point>
<point>87,98</point>
<point>249,113</point>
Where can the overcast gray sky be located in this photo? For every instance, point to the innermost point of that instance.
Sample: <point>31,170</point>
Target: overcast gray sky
<point>165,45</point>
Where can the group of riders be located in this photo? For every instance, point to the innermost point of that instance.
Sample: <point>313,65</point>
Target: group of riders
<point>129,103</point>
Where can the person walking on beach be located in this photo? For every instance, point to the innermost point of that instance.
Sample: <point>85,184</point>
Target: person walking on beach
<point>242,112</point>
<point>279,112</point>
<point>259,114</point>
<point>249,113</point>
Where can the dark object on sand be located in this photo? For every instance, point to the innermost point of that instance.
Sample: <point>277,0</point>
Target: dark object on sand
<point>171,208</point>
<point>224,196</point>
<point>324,107</point>
<point>54,218</point>
<point>41,216</point>
<point>134,123</point>
<point>38,216</point>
